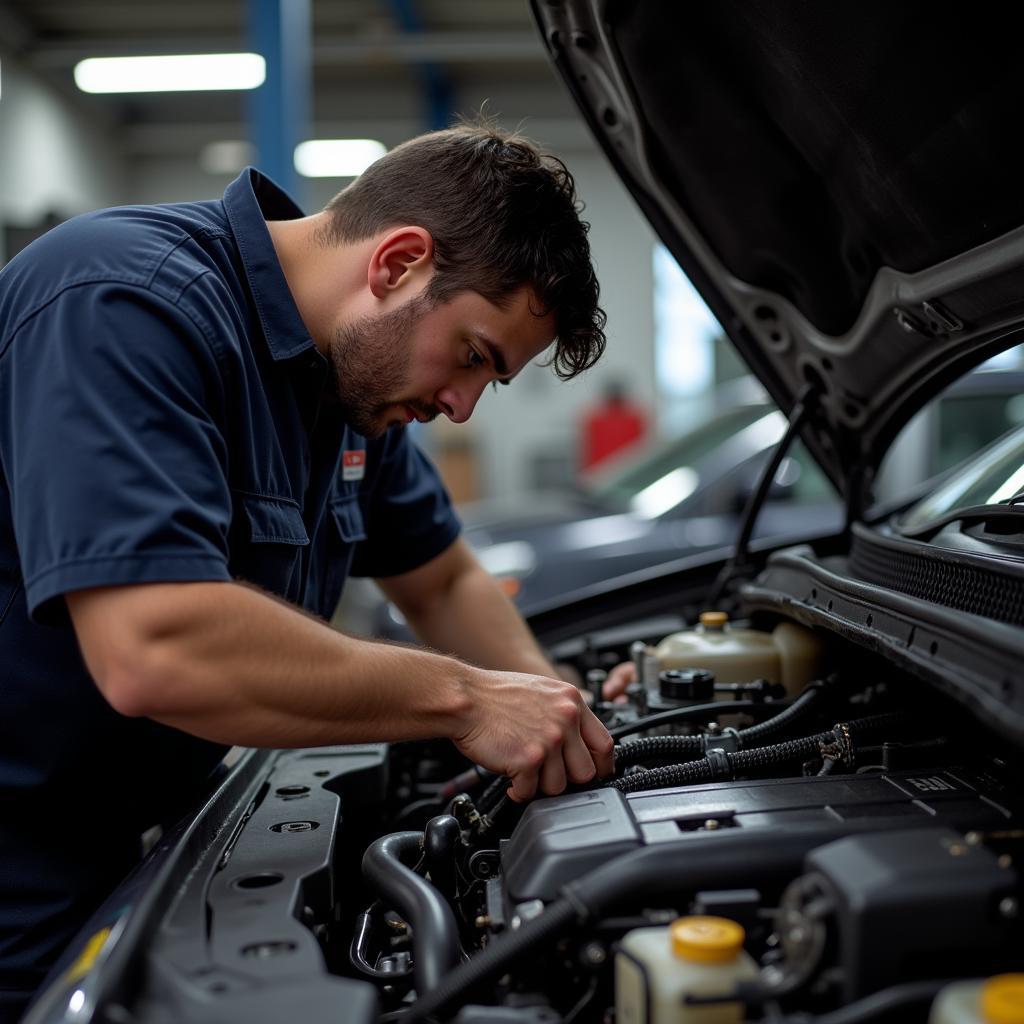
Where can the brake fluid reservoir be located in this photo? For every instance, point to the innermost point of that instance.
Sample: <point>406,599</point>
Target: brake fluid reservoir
<point>998,1000</point>
<point>656,968</point>
<point>790,654</point>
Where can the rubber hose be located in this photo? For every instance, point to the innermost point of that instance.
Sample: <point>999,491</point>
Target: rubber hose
<point>886,1002</point>
<point>688,711</point>
<point>435,933</point>
<point>440,837</point>
<point>757,735</point>
<point>720,860</point>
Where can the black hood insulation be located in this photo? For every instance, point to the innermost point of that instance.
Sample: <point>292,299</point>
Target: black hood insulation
<point>816,143</point>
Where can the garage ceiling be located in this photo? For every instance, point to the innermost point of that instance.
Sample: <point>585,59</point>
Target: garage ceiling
<point>370,59</point>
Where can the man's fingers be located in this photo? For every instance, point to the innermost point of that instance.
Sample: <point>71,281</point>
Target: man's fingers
<point>619,678</point>
<point>552,775</point>
<point>579,761</point>
<point>599,743</point>
<point>524,785</point>
<point>588,750</point>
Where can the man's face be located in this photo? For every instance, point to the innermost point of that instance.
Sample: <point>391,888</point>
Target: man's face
<point>420,360</point>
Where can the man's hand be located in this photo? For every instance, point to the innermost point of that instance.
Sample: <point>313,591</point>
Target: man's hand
<point>536,730</point>
<point>619,679</point>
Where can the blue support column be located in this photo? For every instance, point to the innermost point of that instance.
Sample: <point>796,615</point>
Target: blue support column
<point>437,86</point>
<point>280,109</point>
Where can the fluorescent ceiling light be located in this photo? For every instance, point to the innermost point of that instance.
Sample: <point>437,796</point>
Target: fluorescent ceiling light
<point>336,158</point>
<point>196,72</point>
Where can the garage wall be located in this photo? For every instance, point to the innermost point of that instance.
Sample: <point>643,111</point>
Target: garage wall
<point>55,158</point>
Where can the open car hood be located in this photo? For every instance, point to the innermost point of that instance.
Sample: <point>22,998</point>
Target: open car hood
<point>840,182</point>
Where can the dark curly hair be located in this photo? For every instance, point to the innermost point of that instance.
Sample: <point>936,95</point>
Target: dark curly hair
<point>502,215</point>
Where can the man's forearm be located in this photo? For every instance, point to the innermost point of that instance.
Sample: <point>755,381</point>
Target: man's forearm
<point>474,619</point>
<point>234,665</point>
<point>231,664</point>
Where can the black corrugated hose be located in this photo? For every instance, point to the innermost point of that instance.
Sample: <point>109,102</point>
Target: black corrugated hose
<point>720,766</point>
<point>688,747</point>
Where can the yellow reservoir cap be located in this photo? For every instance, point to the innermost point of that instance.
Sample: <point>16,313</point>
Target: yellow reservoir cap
<point>1002,999</point>
<point>714,620</point>
<point>706,940</point>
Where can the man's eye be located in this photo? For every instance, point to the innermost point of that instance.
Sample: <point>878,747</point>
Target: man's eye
<point>475,359</point>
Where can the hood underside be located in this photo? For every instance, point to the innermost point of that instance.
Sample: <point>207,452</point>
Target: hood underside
<point>840,181</point>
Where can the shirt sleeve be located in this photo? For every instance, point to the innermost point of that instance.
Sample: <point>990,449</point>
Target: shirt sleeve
<point>111,451</point>
<point>409,519</point>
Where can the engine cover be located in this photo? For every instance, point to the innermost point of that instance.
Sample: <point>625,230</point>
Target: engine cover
<point>561,838</point>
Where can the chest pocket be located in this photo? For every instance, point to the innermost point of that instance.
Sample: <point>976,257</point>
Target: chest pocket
<point>347,531</point>
<point>268,539</point>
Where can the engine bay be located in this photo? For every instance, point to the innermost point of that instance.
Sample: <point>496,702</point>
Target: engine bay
<point>794,827</point>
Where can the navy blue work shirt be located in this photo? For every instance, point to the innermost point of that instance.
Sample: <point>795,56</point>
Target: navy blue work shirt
<point>164,416</point>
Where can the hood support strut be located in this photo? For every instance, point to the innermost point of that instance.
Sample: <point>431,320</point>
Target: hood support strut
<point>738,563</point>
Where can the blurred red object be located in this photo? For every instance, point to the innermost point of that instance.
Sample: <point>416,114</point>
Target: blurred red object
<point>616,423</point>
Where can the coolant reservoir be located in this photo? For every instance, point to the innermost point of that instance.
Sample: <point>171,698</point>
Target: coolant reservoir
<point>998,1000</point>
<point>656,968</point>
<point>790,654</point>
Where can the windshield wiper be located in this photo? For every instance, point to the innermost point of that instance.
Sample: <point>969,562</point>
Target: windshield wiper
<point>971,514</point>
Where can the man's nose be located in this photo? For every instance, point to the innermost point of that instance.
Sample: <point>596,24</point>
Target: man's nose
<point>457,401</point>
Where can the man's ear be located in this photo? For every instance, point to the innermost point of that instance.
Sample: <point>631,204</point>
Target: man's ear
<point>403,257</point>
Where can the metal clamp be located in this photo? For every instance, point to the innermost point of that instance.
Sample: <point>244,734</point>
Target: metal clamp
<point>718,762</point>
<point>841,747</point>
<point>728,740</point>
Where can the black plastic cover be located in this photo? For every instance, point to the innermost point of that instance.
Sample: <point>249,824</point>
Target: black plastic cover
<point>562,838</point>
<point>916,905</point>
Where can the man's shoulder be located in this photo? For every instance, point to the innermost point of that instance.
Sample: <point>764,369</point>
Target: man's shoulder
<point>123,244</point>
<point>162,250</point>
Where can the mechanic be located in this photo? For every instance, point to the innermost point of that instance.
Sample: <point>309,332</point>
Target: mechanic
<point>202,408</point>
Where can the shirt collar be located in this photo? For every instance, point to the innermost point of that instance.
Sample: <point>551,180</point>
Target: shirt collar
<point>250,201</point>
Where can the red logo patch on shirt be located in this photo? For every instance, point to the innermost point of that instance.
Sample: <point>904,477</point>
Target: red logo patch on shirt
<point>353,465</point>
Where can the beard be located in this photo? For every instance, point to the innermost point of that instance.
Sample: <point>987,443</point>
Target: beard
<point>371,359</point>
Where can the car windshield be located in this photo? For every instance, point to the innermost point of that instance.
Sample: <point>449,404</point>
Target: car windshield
<point>617,486</point>
<point>995,476</point>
